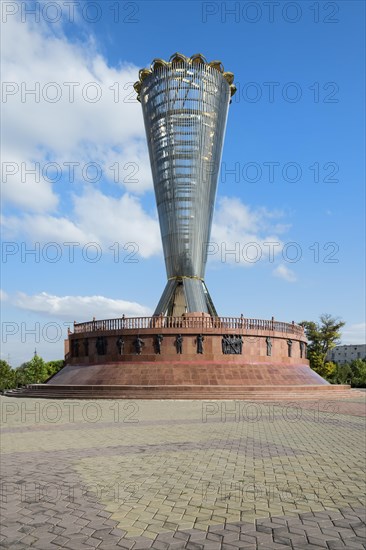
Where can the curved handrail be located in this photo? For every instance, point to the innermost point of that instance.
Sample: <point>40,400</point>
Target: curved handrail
<point>204,322</point>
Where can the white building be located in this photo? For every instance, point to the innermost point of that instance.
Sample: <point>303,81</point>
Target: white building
<point>346,354</point>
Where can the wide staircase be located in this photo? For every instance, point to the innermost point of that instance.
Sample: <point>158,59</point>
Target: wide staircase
<point>187,380</point>
<point>248,393</point>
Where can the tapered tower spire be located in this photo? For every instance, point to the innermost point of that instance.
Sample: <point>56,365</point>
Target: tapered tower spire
<point>185,103</point>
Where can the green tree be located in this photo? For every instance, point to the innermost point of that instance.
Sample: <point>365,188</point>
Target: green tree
<point>353,373</point>
<point>328,370</point>
<point>322,337</point>
<point>21,375</point>
<point>7,376</point>
<point>54,366</point>
<point>343,374</point>
<point>358,369</point>
<point>37,370</point>
<point>32,372</point>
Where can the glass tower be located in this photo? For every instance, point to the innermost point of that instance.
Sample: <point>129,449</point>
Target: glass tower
<point>185,103</point>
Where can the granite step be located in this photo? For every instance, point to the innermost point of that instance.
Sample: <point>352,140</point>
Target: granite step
<point>254,393</point>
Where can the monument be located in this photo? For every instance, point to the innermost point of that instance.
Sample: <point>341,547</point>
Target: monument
<point>185,349</point>
<point>185,104</point>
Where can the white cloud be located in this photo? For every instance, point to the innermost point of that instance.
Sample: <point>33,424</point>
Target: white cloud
<point>43,228</point>
<point>94,218</point>
<point>3,295</point>
<point>71,129</point>
<point>354,334</point>
<point>252,234</point>
<point>80,307</point>
<point>109,132</point>
<point>285,273</point>
<point>28,191</point>
<point>53,315</point>
<point>128,166</point>
<point>118,220</point>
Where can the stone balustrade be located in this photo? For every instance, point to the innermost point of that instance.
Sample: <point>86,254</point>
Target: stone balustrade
<point>204,322</point>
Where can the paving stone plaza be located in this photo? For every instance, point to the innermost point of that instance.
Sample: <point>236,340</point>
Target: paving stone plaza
<point>182,474</point>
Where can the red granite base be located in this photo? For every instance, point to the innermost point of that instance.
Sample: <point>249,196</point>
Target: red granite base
<point>82,346</point>
<point>188,373</point>
<point>269,362</point>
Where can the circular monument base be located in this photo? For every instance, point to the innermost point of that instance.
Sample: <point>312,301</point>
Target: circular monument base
<point>195,357</point>
<point>198,350</point>
<point>183,373</point>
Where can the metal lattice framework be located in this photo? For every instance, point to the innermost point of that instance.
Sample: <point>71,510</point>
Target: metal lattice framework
<point>185,104</point>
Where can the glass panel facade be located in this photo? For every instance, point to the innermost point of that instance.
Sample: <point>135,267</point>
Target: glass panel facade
<point>185,109</point>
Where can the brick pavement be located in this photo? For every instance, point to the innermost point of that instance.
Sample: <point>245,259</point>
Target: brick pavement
<point>183,474</point>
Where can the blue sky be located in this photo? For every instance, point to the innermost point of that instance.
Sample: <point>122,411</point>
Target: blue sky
<point>292,172</point>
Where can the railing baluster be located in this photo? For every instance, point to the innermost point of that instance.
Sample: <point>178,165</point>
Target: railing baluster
<point>133,323</point>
